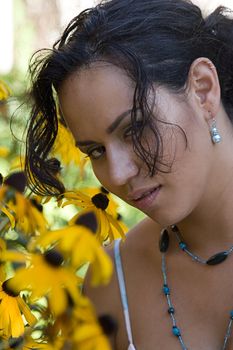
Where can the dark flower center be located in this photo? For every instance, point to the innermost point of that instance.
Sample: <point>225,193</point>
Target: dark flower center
<point>88,220</point>
<point>8,290</point>
<point>1,179</point>
<point>16,180</point>
<point>15,342</point>
<point>100,200</point>
<point>108,324</point>
<point>53,257</point>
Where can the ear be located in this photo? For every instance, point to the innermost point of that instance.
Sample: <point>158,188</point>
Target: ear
<point>203,84</point>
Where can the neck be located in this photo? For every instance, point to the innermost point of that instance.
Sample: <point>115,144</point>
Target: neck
<point>209,228</point>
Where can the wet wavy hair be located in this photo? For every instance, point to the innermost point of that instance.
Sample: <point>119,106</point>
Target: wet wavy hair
<point>153,41</point>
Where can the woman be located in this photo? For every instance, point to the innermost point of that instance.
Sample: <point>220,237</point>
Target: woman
<point>146,87</point>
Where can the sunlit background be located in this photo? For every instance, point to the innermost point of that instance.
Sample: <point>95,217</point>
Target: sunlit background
<point>28,25</point>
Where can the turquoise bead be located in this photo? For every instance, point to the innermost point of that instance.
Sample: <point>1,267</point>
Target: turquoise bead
<point>166,289</point>
<point>176,331</point>
<point>182,245</point>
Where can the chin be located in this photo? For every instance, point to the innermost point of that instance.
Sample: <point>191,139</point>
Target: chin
<point>168,218</point>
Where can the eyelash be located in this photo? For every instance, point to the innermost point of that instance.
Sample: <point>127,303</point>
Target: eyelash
<point>138,125</point>
<point>127,133</point>
<point>91,151</point>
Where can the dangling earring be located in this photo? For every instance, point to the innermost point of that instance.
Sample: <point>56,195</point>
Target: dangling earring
<point>215,136</point>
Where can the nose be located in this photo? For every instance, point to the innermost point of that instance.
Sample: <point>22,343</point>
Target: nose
<point>123,166</point>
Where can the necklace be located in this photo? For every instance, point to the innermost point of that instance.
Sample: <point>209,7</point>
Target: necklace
<point>213,260</point>
<point>163,245</point>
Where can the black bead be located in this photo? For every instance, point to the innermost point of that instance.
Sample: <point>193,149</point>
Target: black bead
<point>171,310</point>
<point>217,258</point>
<point>174,228</point>
<point>164,241</point>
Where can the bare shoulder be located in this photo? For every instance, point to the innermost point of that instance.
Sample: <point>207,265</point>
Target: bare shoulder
<point>140,245</point>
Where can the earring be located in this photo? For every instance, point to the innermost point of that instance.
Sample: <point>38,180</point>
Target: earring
<point>215,136</point>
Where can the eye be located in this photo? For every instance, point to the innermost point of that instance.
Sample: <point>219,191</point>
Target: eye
<point>133,129</point>
<point>96,153</point>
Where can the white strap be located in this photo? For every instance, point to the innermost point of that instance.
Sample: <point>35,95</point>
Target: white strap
<point>124,300</point>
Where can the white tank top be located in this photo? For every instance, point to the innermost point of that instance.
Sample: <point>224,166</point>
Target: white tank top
<point>124,301</point>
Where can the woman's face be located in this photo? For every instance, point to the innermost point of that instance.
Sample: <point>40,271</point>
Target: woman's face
<point>96,105</point>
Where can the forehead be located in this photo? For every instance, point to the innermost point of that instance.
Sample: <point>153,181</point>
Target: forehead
<point>95,95</point>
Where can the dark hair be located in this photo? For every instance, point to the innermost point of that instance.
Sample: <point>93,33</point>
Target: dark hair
<point>152,41</point>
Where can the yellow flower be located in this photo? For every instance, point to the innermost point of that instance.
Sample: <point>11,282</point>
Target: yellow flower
<point>45,276</point>
<point>64,146</point>
<point>78,328</point>
<point>11,307</point>
<point>101,206</point>
<point>81,246</point>
<point>31,220</point>
<point>112,205</point>
<point>25,214</point>
<point>88,334</point>
<point>5,91</point>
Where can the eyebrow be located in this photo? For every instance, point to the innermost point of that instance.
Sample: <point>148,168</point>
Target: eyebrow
<point>109,129</point>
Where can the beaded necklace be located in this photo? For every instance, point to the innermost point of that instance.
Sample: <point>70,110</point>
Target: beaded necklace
<point>216,259</point>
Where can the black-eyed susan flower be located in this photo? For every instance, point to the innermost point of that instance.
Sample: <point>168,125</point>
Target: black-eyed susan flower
<point>12,306</point>
<point>32,220</point>
<point>45,275</point>
<point>81,246</point>
<point>101,206</point>
<point>78,328</point>
<point>88,333</point>
<point>10,194</point>
<point>24,213</point>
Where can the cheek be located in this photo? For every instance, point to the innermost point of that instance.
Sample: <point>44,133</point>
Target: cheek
<point>101,174</point>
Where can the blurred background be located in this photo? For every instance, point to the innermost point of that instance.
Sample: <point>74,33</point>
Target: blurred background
<point>29,25</point>
<point>26,26</point>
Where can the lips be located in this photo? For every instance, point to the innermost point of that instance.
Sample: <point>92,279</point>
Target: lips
<point>144,199</point>
<point>136,195</point>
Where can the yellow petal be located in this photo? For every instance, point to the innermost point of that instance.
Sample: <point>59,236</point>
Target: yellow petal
<point>31,319</point>
<point>17,325</point>
<point>9,215</point>
<point>58,300</point>
<point>9,255</point>
<point>117,226</point>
